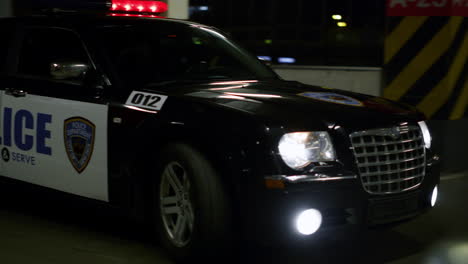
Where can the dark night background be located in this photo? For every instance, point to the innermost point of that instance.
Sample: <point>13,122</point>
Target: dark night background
<point>302,29</point>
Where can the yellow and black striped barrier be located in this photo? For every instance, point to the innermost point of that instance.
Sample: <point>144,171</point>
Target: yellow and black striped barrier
<point>425,63</point>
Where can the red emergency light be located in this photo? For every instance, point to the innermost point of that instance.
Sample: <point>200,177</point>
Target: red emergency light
<point>138,6</point>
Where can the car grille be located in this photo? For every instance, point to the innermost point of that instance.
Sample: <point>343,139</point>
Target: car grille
<point>390,160</point>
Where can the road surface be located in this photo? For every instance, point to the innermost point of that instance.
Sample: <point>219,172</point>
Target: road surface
<point>48,232</point>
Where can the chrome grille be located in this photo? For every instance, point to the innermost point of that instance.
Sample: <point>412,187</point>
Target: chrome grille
<point>390,160</point>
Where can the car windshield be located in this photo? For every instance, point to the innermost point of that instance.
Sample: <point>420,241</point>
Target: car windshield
<point>147,55</point>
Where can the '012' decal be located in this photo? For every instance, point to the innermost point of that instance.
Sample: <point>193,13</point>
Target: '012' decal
<point>146,100</point>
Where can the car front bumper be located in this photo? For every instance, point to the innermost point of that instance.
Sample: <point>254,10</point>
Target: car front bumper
<point>346,208</point>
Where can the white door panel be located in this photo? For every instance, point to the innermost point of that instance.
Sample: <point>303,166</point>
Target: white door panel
<point>57,143</point>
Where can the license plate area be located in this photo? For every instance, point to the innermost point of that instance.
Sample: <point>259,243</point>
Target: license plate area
<point>381,211</point>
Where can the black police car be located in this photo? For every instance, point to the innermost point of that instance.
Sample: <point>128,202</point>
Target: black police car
<point>174,122</point>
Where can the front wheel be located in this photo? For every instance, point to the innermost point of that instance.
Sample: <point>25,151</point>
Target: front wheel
<point>175,204</point>
<point>193,213</point>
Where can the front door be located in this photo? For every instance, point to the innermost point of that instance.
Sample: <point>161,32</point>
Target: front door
<point>52,133</point>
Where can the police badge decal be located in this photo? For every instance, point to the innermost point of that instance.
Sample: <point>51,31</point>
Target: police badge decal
<point>78,135</point>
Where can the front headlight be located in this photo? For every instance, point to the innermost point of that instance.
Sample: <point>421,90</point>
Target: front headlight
<point>299,149</point>
<point>426,134</point>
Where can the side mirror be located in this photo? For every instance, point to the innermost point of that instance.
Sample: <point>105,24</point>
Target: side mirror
<point>68,70</point>
<point>266,63</point>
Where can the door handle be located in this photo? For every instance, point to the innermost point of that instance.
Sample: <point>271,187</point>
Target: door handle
<point>15,92</point>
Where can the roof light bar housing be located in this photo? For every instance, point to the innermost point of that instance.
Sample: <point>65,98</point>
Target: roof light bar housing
<point>93,6</point>
<point>138,6</point>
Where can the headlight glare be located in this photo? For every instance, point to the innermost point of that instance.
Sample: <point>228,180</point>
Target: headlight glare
<point>435,193</point>
<point>308,221</point>
<point>299,149</point>
<point>426,134</point>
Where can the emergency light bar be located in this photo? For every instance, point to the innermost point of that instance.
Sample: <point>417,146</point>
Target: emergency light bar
<point>118,6</point>
<point>139,6</point>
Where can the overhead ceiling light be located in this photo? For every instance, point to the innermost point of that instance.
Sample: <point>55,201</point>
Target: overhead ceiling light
<point>286,60</point>
<point>342,24</point>
<point>337,17</point>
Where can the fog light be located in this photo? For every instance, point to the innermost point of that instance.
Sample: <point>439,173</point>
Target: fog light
<point>435,192</point>
<point>308,221</point>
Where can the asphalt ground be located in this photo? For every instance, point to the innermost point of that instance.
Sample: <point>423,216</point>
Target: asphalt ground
<point>50,231</point>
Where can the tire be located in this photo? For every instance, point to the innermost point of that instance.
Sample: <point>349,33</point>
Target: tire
<point>193,216</point>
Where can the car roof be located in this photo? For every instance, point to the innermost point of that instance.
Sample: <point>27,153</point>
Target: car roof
<point>78,20</point>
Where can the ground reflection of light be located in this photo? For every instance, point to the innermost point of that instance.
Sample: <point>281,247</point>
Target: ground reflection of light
<point>458,253</point>
<point>449,253</point>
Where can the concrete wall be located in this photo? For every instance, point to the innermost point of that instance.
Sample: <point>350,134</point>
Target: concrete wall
<point>5,8</point>
<point>178,9</point>
<point>367,80</point>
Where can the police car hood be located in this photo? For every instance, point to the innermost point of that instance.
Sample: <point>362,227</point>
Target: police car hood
<point>296,102</point>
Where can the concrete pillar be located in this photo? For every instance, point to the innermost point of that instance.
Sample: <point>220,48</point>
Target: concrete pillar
<point>5,8</point>
<point>178,9</point>
<point>426,50</point>
<point>426,65</point>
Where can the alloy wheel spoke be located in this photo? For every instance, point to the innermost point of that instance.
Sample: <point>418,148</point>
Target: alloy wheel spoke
<point>169,210</point>
<point>173,179</point>
<point>169,200</point>
<point>180,227</point>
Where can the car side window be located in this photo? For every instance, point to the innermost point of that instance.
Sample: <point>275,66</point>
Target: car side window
<point>55,54</point>
<point>147,55</point>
